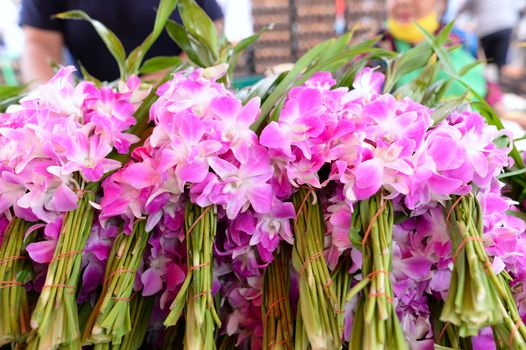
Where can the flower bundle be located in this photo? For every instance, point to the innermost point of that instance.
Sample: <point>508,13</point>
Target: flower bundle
<point>54,146</point>
<point>350,218</point>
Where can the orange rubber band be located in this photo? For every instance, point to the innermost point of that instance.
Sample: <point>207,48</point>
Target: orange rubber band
<point>373,219</point>
<point>452,208</point>
<point>197,267</point>
<point>125,299</point>
<point>463,243</point>
<point>201,294</point>
<point>389,298</point>
<point>12,258</point>
<point>443,331</point>
<point>309,192</point>
<point>273,305</point>
<point>309,260</point>
<point>65,255</point>
<point>279,343</point>
<point>81,192</point>
<point>58,286</point>
<point>513,331</point>
<point>328,284</point>
<point>9,284</point>
<point>374,274</point>
<point>199,218</point>
<point>116,272</point>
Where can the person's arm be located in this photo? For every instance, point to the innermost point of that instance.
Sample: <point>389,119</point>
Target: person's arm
<point>43,38</point>
<point>41,47</point>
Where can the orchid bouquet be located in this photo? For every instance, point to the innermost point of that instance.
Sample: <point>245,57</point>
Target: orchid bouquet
<point>309,211</point>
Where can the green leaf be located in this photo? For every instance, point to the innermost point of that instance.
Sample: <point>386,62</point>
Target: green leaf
<point>134,60</point>
<point>9,91</point>
<point>197,22</point>
<point>179,303</point>
<point>323,57</point>
<point>196,52</point>
<point>157,64</point>
<point>280,90</point>
<point>88,76</point>
<point>111,41</point>
<point>511,173</point>
<point>446,109</point>
<point>239,49</point>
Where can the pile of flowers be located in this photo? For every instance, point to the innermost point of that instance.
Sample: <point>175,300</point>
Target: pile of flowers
<point>352,218</point>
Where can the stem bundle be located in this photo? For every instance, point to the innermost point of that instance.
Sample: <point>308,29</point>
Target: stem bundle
<point>54,321</point>
<point>14,272</point>
<point>376,325</point>
<point>110,318</point>
<point>318,302</point>
<point>477,296</point>
<point>196,291</point>
<point>275,310</point>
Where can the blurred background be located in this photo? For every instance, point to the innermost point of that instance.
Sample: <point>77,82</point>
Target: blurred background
<point>298,25</point>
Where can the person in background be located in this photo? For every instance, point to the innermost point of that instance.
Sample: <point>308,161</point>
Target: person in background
<point>495,22</point>
<point>401,33</point>
<point>131,20</point>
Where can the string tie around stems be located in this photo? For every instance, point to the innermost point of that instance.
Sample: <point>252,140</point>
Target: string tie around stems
<point>273,305</point>
<point>12,258</point>
<point>309,260</point>
<point>65,255</point>
<point>81,192</point>
<point>303,202</point>
<point>125,299</point>
<point>464,242</point>
<point>199,218</point>
<point>9,284</point>
<point>443,331</point>
<point>375,274</point>
<point>373,219</point>
<point>116,272</point>
<point>203,293</point>
<point>386,296</point>
<point>328,284</point>
<point>60,285</point>
<point>197,267</point>
<point>279,343</point>
<point>514,331</point>
<point>452,208</point>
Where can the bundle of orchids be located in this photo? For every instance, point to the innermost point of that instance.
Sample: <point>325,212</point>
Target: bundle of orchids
<point>350,219</point>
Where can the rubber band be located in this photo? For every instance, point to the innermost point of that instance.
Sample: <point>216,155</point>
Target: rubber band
<point>273,305</point>
<point>197,267</point>
<point>9,284</point>
<point>81,192</point>
<point>309,260</point>
<point>309,192</point>
<point>118,271</point>
<point>65,255</point>
<point>125,299</point>
<point>389,298</point>
<point>374,274</point>
<point>452,208</point>
<point>201,294</point>
<point>513,331</point>
<point>12,258</point>
<point>328,284</point>
<point>199,218</point>
<point>463,243</point>
<point>279,343</point>
<point>373,219</point>
<point>443,331</point>
<point>59,285</point>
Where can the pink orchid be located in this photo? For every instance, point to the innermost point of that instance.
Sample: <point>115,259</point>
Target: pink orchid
<point>247,184</point>
<point>273,226</point>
